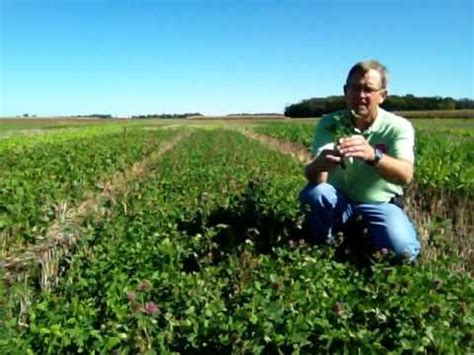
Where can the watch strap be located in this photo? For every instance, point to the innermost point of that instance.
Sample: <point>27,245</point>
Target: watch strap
<point>377,156</point>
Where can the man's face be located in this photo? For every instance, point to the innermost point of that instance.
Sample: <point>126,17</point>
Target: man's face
<point>364,93</point>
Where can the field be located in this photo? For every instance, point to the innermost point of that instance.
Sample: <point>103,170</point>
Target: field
<point>182,236</point>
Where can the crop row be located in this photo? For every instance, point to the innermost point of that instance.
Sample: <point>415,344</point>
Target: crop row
<point>37,132</point>
<point>37,179</point>
<point>201,256</point>
<point>300,133</point>
<point>14,138</point>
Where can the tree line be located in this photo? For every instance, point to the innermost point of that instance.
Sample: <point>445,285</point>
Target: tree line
<point>141,116</point>
<point>319,106</point>
<point>168,115</point>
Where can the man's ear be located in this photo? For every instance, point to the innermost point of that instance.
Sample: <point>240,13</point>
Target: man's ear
<point>345,89</point>
<point>383,96</point>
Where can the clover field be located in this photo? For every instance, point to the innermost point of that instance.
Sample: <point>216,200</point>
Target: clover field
<point>187,237</point>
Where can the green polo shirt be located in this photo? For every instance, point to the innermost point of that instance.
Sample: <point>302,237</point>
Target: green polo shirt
<point>359,181</point>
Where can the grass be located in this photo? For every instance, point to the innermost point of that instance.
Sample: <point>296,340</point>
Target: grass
<point>36,125</point>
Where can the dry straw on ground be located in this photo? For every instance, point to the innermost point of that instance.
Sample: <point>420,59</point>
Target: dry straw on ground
<point>66,230</point>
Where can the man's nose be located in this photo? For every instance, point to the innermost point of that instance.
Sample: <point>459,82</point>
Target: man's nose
<point>363,93</point>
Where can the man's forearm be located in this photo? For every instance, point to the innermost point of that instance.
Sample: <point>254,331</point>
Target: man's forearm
<point>395,170</point>
<point>392,169</point>
<point>314,172</point>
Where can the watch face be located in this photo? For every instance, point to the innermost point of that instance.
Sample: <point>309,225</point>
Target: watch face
<point>382,147</point>
<point>378,155</point>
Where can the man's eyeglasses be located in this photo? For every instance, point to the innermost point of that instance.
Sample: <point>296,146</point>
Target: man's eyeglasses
<point>362,89</point>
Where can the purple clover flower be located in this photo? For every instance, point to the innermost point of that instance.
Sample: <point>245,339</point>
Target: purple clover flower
<point>132,296</point>
<point>150,308</point>
<point>144,285</point>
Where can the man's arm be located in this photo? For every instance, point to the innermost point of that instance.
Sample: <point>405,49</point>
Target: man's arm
<point>396,170</point>
<point>325,156</point>
<point>316,171</point>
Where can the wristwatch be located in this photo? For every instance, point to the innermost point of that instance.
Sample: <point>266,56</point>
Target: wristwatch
<point>377,156</point>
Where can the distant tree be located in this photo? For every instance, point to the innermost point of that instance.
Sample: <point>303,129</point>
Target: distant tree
<point>167,115</point>
<point>319,106</point>
<point>464,103</point>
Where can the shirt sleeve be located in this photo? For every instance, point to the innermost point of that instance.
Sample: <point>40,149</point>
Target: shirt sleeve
<point>404,145</point>
<point>323,138</point>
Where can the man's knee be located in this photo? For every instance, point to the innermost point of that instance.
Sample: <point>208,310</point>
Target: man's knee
<point>317,194</point>
<point>405,243</point>
<point>399,234</point>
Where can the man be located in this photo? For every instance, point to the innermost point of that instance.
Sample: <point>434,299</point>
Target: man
<point>362,158</point>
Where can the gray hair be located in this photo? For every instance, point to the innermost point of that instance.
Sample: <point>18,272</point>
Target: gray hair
<point>364,66</point>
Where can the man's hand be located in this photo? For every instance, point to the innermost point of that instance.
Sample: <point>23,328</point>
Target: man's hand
<point>396,170</point>
<point>356,146</point>
<point>316,170</point>
<point>328,159</point>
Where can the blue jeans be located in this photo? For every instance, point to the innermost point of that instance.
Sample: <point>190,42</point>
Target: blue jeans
<point>327,210</point>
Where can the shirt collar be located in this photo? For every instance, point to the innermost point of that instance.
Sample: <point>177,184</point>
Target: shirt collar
<point>377,122</point>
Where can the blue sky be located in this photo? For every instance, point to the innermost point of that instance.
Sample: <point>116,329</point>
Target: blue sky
<point>132,57</point>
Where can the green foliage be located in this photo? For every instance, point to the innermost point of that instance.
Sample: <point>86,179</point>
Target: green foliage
<point>35,180</point>
<point>204,255</point>
<point>445,162</point>
<point>301,133</point>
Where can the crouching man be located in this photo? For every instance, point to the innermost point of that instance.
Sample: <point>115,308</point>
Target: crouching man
<point>362,157</point>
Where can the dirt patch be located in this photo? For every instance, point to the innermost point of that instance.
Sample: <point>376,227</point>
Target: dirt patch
<point>295,150</point>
